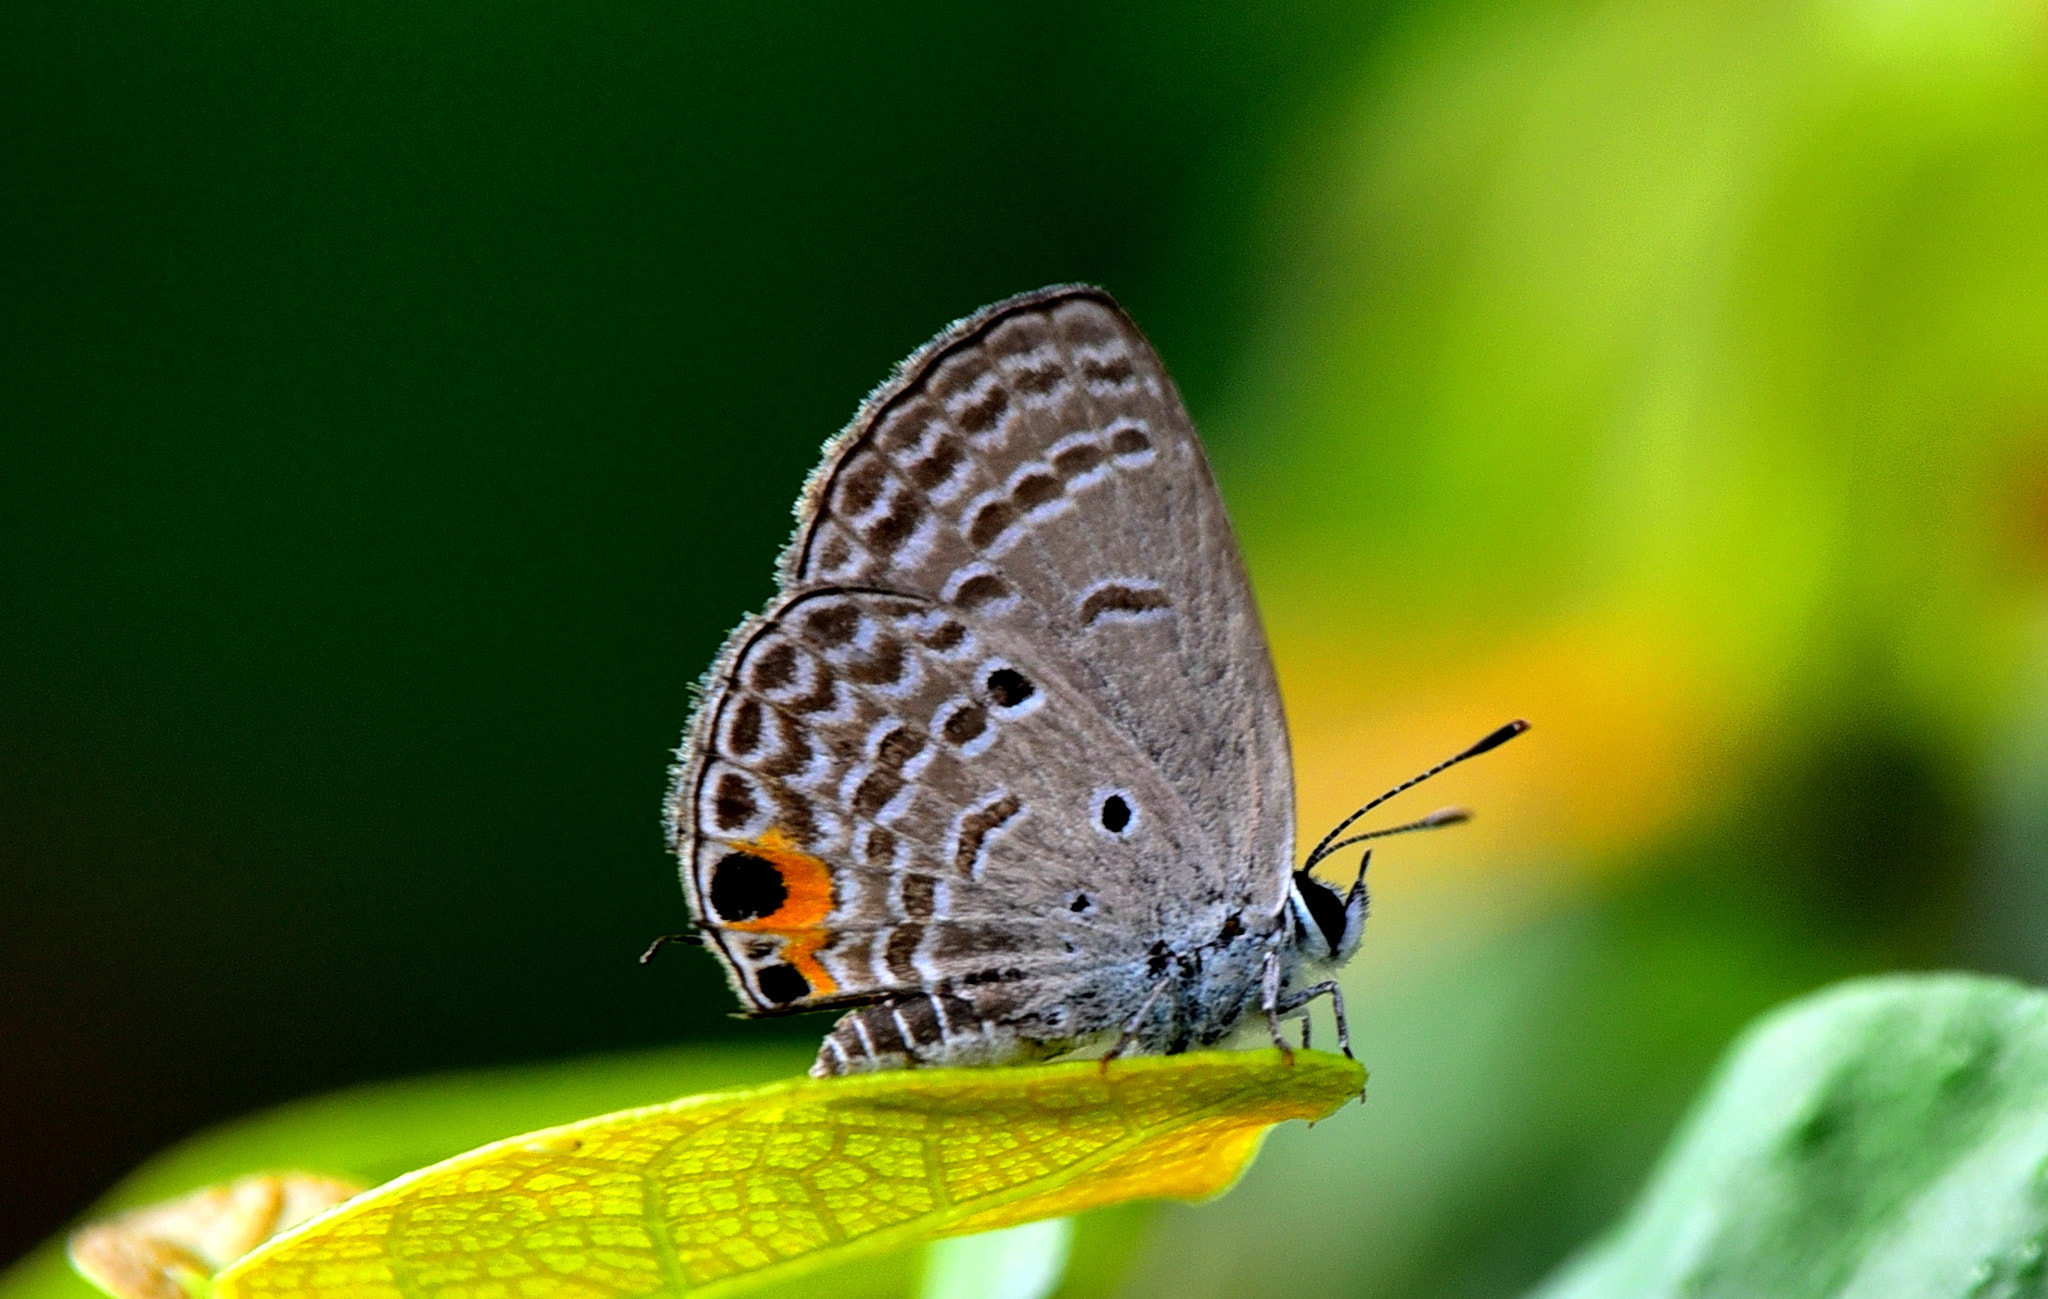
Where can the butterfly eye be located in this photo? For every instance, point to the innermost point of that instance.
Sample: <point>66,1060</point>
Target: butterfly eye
<point>1324,907</point>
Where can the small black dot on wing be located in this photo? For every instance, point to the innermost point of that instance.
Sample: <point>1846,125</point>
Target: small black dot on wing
<point>1116,814</point>
<point>1009,687</point>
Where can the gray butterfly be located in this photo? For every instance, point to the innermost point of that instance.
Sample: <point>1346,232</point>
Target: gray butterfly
<point>1003,768</point>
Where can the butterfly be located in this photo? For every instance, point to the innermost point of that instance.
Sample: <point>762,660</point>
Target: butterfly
<point>1002,770</point>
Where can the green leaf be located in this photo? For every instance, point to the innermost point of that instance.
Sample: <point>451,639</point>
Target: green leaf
<point>730,1191</point>
<point>725,1192</point>
<point>373,1133</point>
<point>1888,1137</point>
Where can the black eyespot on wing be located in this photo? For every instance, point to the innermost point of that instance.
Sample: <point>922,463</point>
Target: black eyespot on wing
<point>745,887</point>
<point>781,984</point>
<point>1010,687</point>
<point>1323,905</point>
<point>1116,814</point>
<point>1081,902</point>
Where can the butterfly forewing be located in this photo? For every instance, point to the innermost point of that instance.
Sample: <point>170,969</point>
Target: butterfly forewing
<point>1035,467</point>
<point>1014,713</point>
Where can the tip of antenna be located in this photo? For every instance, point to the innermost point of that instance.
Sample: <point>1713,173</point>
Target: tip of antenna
<point>1445,816</point>
<point>1496,739</point>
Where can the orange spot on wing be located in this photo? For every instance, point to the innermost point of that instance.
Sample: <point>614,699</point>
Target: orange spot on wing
<point>808,881</point>
<point>801,950</point>
<point>799,921</point>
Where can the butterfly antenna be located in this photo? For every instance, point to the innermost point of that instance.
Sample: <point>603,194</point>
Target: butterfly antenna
<point>1436,820</point>
<point>1330,843</point>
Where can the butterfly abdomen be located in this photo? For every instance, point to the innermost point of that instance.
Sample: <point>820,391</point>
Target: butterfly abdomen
<point>925,1029</point>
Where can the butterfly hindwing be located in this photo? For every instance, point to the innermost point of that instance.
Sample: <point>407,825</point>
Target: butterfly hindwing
<point>879,804</point>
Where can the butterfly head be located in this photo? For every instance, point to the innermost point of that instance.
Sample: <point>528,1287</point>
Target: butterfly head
<point>1323,925</point>
<point>1326,925</point>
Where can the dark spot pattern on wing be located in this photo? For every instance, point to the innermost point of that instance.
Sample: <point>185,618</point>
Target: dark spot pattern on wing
<point>781,984</point>
<point>746,887</point>
<point>977,826</point>
<point>1114,598</point>
<point>1009,687</point>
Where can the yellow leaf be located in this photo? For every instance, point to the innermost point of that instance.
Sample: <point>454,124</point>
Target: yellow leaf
<point>721,1192</point>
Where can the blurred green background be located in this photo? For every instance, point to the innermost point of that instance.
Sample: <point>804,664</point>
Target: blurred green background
<point>402,401</point>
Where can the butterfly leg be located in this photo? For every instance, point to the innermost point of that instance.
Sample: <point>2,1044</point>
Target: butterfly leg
<point>1299,1000</point>
<point>1130,1032</point>
<point>1270,1003</point>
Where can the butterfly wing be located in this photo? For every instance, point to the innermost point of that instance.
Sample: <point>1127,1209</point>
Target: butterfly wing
<point>1014,710</point>
<point>872,817</point>
<point>1034,466</point>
